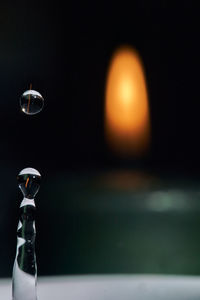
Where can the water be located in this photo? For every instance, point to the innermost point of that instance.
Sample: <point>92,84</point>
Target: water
<point>25,267</point>
<point>31,102</point>
<point>29,182</point>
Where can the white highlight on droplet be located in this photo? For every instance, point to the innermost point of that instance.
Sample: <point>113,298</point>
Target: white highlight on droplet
<point>32,92</point>
<point>27,201</point>
<point>30,171</point>
<point>19,225</point>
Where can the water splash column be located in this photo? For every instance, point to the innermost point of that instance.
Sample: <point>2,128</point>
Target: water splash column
<point>25,267</point>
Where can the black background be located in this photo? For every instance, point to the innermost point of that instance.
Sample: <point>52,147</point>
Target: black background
<point>64,51</point>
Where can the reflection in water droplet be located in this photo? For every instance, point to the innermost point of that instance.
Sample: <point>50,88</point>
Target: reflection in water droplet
<point>31,102</point>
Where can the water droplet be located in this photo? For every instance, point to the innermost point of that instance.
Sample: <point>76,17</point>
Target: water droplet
<point>31,102</point>
<point>29,182</point>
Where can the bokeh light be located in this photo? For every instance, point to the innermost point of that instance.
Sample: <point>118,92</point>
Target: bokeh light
<point>127,120</point>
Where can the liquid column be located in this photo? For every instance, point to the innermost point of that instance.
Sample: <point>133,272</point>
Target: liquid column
<point>25,268</point>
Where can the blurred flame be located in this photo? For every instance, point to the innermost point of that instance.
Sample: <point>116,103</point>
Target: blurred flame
<point>127,120</point>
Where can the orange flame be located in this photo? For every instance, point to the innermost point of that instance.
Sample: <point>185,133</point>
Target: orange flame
<point>127,120</point>
<point>27,180</point>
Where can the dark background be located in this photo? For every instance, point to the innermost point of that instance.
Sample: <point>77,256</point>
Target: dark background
<point>64,51</point>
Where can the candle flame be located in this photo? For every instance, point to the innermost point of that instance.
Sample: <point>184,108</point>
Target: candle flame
<point>127,120</point>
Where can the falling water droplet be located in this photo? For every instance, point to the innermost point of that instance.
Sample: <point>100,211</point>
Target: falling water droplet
<point>29,182</point>
<point>31,102</point>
